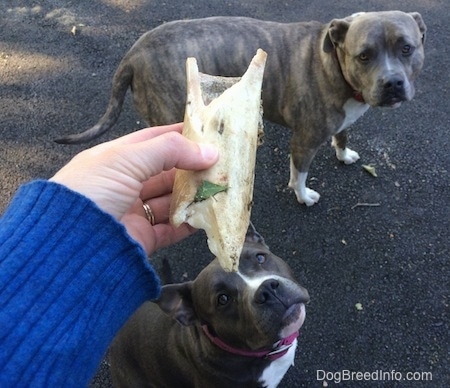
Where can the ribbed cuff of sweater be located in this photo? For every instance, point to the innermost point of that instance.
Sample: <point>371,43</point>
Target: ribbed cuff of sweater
<point>70,276</point>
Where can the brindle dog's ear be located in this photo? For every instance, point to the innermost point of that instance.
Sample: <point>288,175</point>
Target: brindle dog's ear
<point>337,29</point>
<point>253,236</point>
<point>176,301</point>
<point>422,27</point>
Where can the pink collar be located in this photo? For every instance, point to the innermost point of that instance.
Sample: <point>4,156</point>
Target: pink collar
<point>278,350</point>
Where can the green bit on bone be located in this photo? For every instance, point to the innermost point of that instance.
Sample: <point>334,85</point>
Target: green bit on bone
<point>208,189</point>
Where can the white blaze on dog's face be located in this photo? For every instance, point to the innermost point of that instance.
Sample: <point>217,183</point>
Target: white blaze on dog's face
<point>380,55</point>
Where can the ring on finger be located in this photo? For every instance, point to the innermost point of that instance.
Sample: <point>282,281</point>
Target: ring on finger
<point>149,213</point>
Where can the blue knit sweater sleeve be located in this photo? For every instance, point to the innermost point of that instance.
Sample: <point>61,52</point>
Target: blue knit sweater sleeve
<point>70,276</point>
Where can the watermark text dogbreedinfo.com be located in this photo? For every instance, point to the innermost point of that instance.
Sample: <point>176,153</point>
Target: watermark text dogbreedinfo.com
<point>378,375</point>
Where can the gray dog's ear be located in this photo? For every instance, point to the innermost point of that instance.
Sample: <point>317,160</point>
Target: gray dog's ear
<point>253,235</point>
<point>176,301</point>
<point>422,27</point>
<point>337,29</point>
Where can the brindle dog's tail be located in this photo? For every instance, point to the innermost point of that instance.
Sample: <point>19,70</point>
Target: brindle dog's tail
<point>121,82</point>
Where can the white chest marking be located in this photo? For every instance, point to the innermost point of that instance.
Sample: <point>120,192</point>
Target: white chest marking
<point>275,372</point>
<point>353,111</point>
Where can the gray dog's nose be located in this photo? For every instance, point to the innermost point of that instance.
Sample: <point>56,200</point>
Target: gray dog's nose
<point>394,84</point>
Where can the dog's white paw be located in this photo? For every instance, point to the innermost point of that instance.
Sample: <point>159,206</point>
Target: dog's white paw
<point>347,155</point>
<point>310,198</point>
<point>307,196</point>
<point>298,184</point>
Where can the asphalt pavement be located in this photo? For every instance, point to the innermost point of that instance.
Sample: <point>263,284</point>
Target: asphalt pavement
<point>373,253</point>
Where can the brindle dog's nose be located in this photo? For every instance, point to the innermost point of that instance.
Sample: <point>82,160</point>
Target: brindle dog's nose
<point>284,291</point>
<point>393,84</point>
<point>267,291</point>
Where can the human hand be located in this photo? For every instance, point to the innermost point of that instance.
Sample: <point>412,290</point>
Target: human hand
<point>121,175</point>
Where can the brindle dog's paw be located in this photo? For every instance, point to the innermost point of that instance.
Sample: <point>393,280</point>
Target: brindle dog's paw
<point>309,197</point>
<point>347,155</point>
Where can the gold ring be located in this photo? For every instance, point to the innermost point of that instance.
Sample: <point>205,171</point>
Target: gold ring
<point>148,213</point>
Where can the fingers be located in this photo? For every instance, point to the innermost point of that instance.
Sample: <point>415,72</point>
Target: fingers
<point>158,185</point>
<point>167,234</point>
<point>160,207</point>
<point>142,155</point>
<point>162,153</point>
<point>174,150</point>
<point>147,134</point>
<point>159,235</point>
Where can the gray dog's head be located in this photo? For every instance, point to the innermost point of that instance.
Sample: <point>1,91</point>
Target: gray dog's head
<point>380,54</point>
<point>252,308</point>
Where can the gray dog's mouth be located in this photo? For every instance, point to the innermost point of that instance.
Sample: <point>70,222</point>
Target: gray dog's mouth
<point>293,319</point>
<point>394,102</point>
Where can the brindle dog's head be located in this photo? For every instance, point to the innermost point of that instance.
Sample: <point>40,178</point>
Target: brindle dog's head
<point>249,309</point>
<point>380,54</point>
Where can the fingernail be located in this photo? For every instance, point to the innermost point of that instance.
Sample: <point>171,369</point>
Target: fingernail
<point>209,152</point>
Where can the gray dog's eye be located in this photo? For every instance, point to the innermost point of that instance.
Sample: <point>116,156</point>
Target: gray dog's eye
<point>261,258</point>
<point>406,49</point>
<point>363,57</point>
<point>223,299</point>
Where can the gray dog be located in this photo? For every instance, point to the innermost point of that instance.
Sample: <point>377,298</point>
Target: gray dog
<point>222,330</point>
<point>319,78</point>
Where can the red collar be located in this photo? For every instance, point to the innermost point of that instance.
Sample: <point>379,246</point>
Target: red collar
<point>358,96</point>
<point>278,350</point>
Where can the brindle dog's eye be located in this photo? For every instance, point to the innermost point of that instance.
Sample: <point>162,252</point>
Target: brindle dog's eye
<point>223,299</point>
<point>260,258</point>
<point>363,57</point>
<point>406,49</point>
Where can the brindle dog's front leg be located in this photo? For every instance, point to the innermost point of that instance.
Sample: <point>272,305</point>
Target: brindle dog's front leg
<point>302,155</point>
<point>343,153</point>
